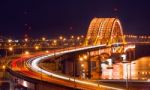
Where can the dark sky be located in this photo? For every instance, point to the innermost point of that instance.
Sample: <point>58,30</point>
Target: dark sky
<point>65,17</point>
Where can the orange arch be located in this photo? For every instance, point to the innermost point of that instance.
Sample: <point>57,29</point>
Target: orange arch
<point>104,31</point>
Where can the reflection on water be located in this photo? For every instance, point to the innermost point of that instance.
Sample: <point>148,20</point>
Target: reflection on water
<point>138,69</point>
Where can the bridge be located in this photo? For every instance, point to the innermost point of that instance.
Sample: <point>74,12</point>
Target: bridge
<point>104,40</point>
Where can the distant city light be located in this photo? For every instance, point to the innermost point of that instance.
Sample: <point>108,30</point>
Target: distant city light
<point>9,40</point>
<point>43,38</point>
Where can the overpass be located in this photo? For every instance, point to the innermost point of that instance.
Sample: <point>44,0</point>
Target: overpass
<point>103,33</point>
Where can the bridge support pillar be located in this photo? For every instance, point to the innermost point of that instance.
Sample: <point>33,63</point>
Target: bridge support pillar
<point>71,66</point>
<point>89,65</point>
<point>99,66</point>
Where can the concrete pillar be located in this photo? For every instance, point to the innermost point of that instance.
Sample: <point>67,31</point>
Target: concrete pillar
<point>100,68</point>
<point>67,67</point>
<point>76,65</point>
<point>89,66</point>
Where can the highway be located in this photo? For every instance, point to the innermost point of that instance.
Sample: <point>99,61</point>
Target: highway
<point>29,66</point>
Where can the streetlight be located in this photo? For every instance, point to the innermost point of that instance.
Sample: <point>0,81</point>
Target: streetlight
<point>9,40</point>
<point>10,48</point>
<point>55,42</point>
<point>43,38</point>
<point>126,69</point>
<point>78,38</point>
<point>36,47</point>
<point>47,51</point>
<point>27,53</point>
<point>3,67</point>
<point>26,39</point>
<point>85,57</point>
<point>82,65</point>
<point>81,59</point>
<point>72,37</point>
<point>60,37</point>
<point>82,36</point>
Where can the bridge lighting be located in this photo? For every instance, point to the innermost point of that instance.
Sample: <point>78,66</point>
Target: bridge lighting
<point>47,51</point>
<point>10,48</point>
<point>82,65</point>
<point>129,47</point>
<point>3,67</point>
<point>81,59</point>
<point>36,47</point>
<point>27,53</point>
<point>85,56</point>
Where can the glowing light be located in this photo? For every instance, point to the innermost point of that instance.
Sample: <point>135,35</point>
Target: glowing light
<point>72,36</point>
<point>64,39</point>
<point>82,65</point>
<point>36,47</point>
<point>25,83</point>
<point>10,48</point>
<point>26,39</point>
<point>109,61</point>
<point>55,41</point>
<point>129,47</point>
<point>47,51</point>
<point>81,59</point>
<point>85,57</point>
<point>61,37</point>
<point>3,66</point>
<point>33,64</point>
<point>43,38</point>
<point>9,40</point>
<point>124,57</point>
<point>78,38</point>
<point>27,53</point>
<point>82,36</point>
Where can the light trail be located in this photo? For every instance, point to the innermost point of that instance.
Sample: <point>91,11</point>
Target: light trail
<point>33,64</point>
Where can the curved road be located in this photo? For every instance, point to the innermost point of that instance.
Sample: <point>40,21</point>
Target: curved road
<point>29,66</point>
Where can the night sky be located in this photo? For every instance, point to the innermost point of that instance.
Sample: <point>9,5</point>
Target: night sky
<point>52,18</point>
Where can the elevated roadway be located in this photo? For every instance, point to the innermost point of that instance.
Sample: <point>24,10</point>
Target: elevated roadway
<point>29,67</point>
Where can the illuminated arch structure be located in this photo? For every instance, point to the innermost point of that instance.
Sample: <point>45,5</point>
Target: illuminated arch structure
<point>104,31</point>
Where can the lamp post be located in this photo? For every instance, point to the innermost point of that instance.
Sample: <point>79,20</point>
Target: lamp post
<point>6,52</point>
<point>74,73</point>
<point>126,68</point>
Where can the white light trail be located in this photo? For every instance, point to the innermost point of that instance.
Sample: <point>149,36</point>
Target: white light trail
<point>33,64</point>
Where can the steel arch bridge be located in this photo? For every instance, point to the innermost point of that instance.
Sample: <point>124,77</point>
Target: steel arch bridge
<point>104,31</point>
